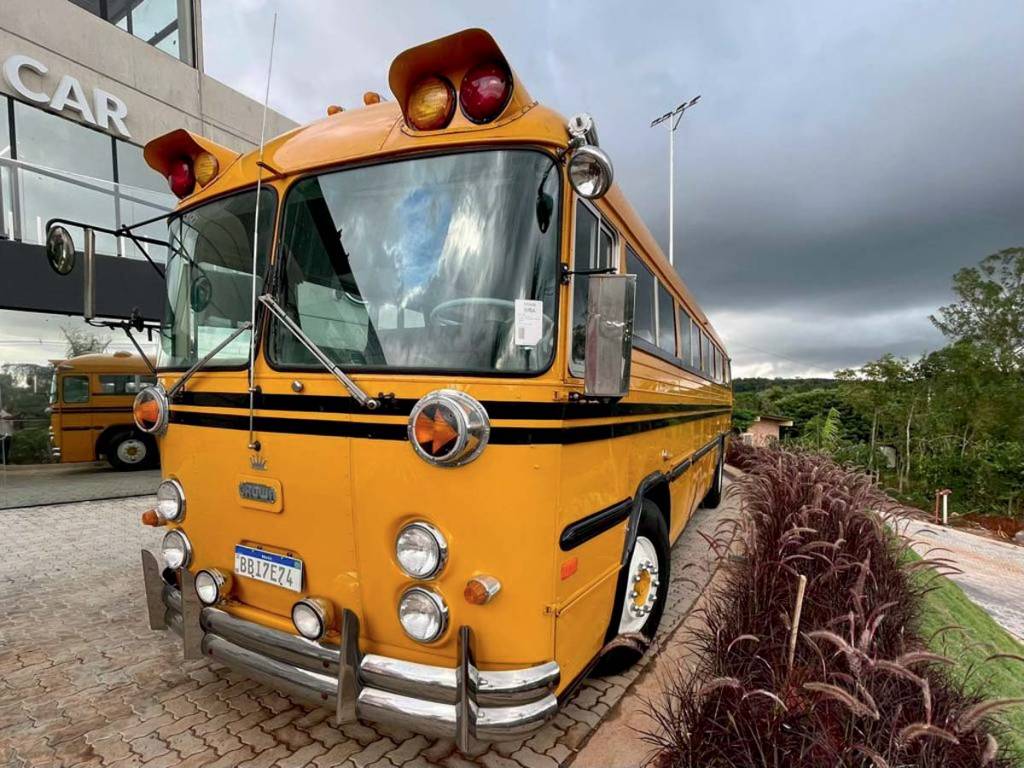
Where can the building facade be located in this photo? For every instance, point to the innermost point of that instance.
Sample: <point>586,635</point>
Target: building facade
<point>84,84</point>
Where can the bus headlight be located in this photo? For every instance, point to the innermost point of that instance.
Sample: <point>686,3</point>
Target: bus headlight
<point>590,171</point>
<point>150,410</point>
<point>170,501</point>
<point>312,617</point>
<point>176,549</point>
<point>421,550</point>
<point>423,614</point>
<point>212,586</point>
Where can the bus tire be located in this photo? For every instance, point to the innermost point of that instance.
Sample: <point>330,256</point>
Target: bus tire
<point>129,450</point>
<point>641,594</point>
<point>714,494</point>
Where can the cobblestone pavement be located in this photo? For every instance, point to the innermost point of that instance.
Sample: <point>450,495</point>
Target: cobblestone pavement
<point>993,571</point>
<point>23,486</point>
<point>84,682</point>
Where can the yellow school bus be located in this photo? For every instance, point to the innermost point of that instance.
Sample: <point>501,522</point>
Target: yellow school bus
<point>91,398</point>
<point>481,405</point>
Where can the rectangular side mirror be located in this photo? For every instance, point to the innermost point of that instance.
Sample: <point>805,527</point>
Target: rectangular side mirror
<point>609,344</point>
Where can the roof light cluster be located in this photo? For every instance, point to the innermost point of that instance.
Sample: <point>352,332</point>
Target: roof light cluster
<point>483,94</point>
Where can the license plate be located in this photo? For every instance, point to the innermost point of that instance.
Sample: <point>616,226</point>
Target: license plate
<point>279,570</point>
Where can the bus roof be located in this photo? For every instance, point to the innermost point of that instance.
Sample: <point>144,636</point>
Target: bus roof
<point>99,362</point>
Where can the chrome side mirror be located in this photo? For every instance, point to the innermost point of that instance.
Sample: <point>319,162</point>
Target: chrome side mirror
<point>60,250</point>
<point>60,253</point>
<point>609,345</point>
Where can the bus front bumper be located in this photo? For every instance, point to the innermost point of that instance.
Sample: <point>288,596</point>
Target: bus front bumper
<point>463,703</point>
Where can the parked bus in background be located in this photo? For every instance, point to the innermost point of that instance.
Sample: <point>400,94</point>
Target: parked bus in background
<point>91,400</point>
<point>441,484</point>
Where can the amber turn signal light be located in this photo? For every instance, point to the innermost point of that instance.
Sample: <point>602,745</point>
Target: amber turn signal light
<point>151,518</point>
<point>206,168</point>
<point>480,590</point>
<point>431,104</point>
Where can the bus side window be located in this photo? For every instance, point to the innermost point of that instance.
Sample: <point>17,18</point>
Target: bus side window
<point>685,338</point>
<point>643,318</point>
<point>584,247</point>
<point>695,346</point>
<point>666,320</point>
<point>75,389</point>
<point>705,354</point>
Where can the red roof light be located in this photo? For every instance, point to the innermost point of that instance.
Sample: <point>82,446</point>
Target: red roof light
<point>182,178</point>
<point>485,91</point>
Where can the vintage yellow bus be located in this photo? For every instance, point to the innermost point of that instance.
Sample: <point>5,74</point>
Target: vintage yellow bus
<point>91,398</point>
<point>481,405</point>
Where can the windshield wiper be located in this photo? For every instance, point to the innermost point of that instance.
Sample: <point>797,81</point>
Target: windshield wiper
<point>180,385</point>
<point>360,397</point>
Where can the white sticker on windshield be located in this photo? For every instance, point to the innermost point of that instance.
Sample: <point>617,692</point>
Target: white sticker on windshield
<point>529,322</point>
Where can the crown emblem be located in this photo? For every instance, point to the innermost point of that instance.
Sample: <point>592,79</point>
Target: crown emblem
<point>258,463</point>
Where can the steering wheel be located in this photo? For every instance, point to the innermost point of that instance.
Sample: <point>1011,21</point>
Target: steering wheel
<point>447,312</point>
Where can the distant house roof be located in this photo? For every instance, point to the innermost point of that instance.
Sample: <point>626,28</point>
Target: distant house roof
<point>782,421</point>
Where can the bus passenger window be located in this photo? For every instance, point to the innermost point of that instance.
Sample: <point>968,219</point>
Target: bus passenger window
<point>705,354</point>
<point>76,389</point>
<point>694,360</point>
<point>643,318</point>
<point>583,254</point>
<point>685,339</point>
<point>666,321</point>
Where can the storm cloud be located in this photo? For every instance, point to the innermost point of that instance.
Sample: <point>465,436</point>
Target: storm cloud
<point>844,161</point>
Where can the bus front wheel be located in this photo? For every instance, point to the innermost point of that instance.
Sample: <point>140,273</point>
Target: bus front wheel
<point>641,596</point>
<point>129,450</point>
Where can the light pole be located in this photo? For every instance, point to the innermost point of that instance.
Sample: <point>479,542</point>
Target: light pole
<point>673,118</point>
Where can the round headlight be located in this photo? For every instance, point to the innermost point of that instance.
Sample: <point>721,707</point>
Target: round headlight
<point>590,171</point>
<point>448,428</point>
<point>170,501</point>
<point>150,410</point>
<point>421,550</point>
<point>423,614</point>
<point>176,549</point>
<point>312,617</point>
<point>212,586</point>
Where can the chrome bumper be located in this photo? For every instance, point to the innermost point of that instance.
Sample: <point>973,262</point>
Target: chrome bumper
<point>462,703</point>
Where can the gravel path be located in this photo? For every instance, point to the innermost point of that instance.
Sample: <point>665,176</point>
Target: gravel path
<point>993,571</point>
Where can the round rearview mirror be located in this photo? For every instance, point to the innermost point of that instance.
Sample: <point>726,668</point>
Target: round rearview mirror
<point>60,250</point>
<point>590,171</point>
<point>202,292</point>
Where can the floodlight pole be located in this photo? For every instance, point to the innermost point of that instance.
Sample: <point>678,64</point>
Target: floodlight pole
<point>673,118</point>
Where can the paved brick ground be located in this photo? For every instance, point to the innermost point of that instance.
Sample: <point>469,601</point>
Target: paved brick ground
<point>84,682</point>
<point>24,486</point>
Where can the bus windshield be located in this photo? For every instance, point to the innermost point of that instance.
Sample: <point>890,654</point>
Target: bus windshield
<point>209,278</point>
<point>445,263</point>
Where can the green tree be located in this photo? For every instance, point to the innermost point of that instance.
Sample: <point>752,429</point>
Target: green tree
<point>990,307</point>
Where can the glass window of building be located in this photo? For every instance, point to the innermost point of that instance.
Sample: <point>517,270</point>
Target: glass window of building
<point>6,174</point>
<point>72,175</point>
<point>666,321</point>
<point>142,195</point>
<point>643,318</point>
<point>164,24</point>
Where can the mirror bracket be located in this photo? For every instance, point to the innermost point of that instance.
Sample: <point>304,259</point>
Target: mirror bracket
<point>567,273</point>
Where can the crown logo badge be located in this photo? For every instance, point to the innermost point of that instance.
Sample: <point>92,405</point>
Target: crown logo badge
<point>258,463</point>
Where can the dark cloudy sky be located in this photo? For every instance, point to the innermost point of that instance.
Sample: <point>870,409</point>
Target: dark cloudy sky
<point>845,158</point>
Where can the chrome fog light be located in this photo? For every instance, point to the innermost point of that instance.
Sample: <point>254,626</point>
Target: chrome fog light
<point>176,550</point>
<point>421,550</point>
<point>170,501</point>
<point>423,614</point>
<point>312,617</point>
<point>590,172</point>
<point>212,586</point>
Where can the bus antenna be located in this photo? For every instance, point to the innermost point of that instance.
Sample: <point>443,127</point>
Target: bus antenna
<point>254,444</point>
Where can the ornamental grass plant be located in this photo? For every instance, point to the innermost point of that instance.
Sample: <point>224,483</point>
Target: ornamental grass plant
<point>837,676</point>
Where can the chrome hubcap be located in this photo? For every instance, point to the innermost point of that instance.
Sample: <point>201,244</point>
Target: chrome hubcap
<point>642,586</point>
<point>131,451</point>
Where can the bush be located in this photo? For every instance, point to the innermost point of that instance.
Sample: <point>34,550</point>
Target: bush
<point>861,689</point>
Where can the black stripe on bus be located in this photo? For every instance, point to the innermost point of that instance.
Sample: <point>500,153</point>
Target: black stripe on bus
<point>107,409</point>
<point>381,431</point>
<point>496,409</point>
<point>593,525</point>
